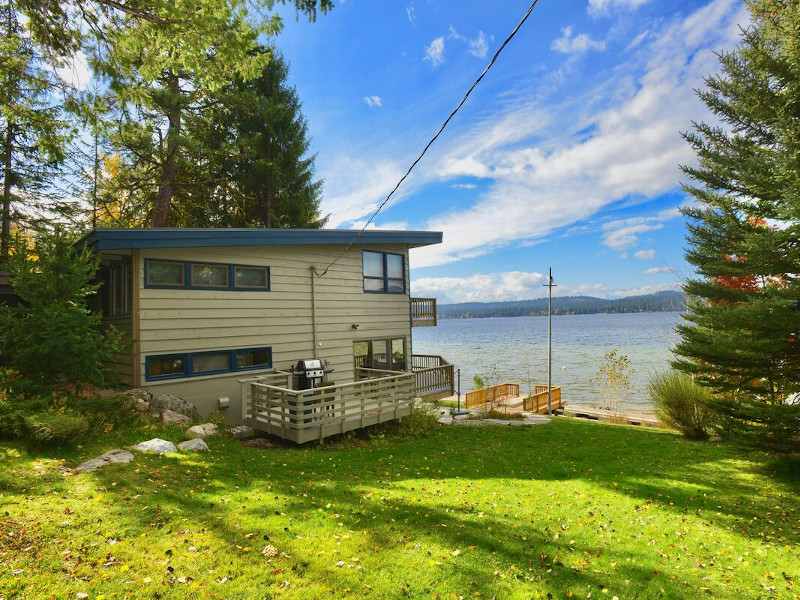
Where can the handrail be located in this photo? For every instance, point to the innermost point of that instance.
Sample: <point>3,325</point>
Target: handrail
<point>492,393</point>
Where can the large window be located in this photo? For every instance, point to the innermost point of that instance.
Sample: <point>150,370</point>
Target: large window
<point>386,355</point>
<point>384,273</point>
<point>181,275</point>
<point>193,364</point>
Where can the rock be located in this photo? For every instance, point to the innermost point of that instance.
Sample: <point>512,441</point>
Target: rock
<point>112,456</point>
<point>202,431</point>
<point>175,404</point>
<point>241,432</point>
<point>270,551</point>
<point>195,445</point>
<point>156,445</point>
<point>141,406</point>
<point>260,443</point>
<point>169,417</point>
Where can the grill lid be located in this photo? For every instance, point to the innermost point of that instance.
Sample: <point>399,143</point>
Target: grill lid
<point>313,364</point>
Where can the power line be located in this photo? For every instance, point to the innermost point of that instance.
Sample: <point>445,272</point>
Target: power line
<point>433,139</point>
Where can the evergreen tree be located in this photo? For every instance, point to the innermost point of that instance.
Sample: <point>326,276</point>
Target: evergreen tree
<point>33,133</point>
<point>247,158</point>
<point>743,335</point>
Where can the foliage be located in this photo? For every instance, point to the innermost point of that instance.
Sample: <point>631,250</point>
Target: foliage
<point>461,512</point>
<point>247,163</point>
<point>613,380</point>
<point>423,422</point>
<point>33,132</point>
<point>478,382</point>
<point>742,338</point>
<point>682,404</point>
<point>51,338</point>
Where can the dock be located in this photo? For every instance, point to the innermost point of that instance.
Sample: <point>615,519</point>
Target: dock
<point>604,414</point>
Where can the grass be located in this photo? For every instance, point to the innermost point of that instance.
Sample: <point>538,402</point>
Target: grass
<point>571,509</point>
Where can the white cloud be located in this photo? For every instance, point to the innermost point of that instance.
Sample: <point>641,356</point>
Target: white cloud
<point>644,254</point>
<point>567,44</point>
<point>604,7</point>
<point>637,40</point>
<point>624,233</point>
<point>434,53</point>
<point>479,46</point>
<point>491,287</point>
<point>411,13</point>
<point>463,186</point>
<point>647,289</point>
<point>373,100</point>
<point>659,270</point>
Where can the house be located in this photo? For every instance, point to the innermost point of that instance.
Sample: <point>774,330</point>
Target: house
<point>220,316</point>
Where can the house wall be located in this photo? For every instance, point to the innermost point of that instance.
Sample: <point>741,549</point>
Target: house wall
<point>173,321</point>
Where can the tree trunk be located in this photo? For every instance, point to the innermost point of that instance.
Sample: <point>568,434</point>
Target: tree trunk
<point>5,236</point>
<point>169,168</point>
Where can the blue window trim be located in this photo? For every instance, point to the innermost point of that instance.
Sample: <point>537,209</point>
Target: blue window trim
<point>187,277</point>
<point>188,363</point>
<point>385,277</point>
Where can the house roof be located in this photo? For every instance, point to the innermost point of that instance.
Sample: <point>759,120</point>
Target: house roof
<point>122,239</point>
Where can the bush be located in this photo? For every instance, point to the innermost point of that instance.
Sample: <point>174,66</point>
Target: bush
<point>419,424</point>
<point>682,403</point>
<point>51,338</point>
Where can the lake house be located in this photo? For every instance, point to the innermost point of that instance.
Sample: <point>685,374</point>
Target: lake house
<point>299,333</point>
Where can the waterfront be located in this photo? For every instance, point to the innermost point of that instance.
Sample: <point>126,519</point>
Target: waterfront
<point>515,348</point>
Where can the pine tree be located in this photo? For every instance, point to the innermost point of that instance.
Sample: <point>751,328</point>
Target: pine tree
<point>743,334</point>
<point>248,157</point>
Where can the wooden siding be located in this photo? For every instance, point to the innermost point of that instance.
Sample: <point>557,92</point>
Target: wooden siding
<point>123,364</point>
<point>195,320</point>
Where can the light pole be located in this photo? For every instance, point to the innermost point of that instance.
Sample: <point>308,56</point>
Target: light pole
<point>550,285</point>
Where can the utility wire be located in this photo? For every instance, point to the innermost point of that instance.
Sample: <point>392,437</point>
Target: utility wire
<point>433,139</point>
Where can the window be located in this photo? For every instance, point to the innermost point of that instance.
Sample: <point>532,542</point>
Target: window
<point>162,273</point>
<point>384,273</point>
<point>182,275</point>
<point>117,292</point>
<point>193,364</point>
<point>386,355</point>
<point>209,276</point>
<point>250,278</point>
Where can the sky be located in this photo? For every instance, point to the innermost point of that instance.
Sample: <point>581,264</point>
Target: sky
<point>566,155</point>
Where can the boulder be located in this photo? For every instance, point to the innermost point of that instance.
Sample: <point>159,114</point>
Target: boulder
<point>241,432</point>
<point>202,431</point>
<point>195,445</point>
<point>112,456</point>
<point>175,404</point>
<point>169,417</point>
<point>156,445</point>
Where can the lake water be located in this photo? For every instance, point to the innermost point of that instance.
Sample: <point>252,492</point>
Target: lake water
<point>515,349</point>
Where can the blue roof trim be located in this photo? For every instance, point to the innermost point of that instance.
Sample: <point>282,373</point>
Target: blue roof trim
<point>124,239</point>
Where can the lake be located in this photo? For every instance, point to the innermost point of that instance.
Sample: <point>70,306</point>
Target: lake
<point>515,349</point>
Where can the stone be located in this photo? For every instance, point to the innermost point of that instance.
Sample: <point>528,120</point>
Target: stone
<point>140,394</point>
<point>270,551</point>
<point>156,445</point>
<point>141,406</point>
<point>169,417</point>
<point>195,445</point>
<point>175,404</point>
<point>202,431</point>
<point>241,432</point>
<point>112,456</point>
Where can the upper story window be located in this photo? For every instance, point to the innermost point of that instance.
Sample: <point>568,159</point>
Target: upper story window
<point>183,275</point>
<point>384,272</point>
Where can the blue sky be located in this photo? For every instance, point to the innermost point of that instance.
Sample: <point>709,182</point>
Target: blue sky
<point>565,156</point>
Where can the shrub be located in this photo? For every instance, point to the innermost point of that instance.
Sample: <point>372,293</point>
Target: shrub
<point>421,423</point>
<point>51,338</point>
<point>613,381</point>
<point>682,403</point>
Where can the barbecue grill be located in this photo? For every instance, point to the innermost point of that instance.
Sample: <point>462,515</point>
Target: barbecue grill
<point>309,373</point>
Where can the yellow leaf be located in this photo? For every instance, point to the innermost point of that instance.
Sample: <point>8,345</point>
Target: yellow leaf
<point>147,579</point>
<point>123,568</point>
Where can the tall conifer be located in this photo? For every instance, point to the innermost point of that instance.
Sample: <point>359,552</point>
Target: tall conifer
<point>743,333</point>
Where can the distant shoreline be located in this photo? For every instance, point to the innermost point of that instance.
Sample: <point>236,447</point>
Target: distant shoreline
<point>566,305</point>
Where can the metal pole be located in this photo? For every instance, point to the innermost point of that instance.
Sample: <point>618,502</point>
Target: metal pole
<point>458,410</point>
<point>550,285</point>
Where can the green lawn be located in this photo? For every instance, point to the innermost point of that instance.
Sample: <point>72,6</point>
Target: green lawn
<point>572,509</point>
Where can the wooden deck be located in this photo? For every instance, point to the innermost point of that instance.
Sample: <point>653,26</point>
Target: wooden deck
<point>305,415</point>
<point>434,376</point>
<point>602,414</point>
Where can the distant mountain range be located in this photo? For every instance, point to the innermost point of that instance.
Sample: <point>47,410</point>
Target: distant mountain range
<point>566,305</point>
